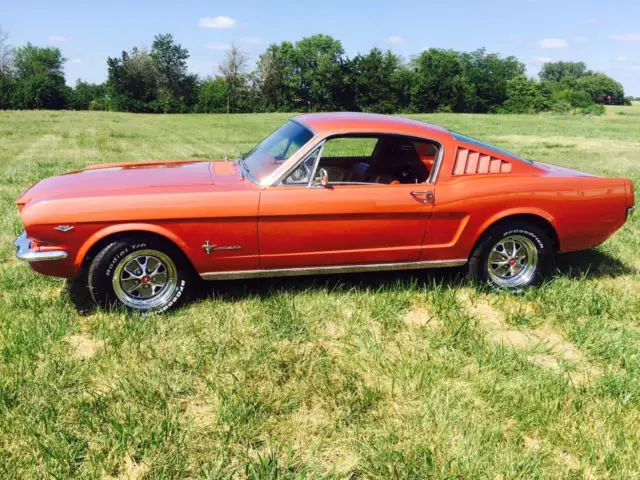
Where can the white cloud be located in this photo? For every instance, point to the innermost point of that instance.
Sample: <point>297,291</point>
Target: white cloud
<point>592,20</point>
<point>581,39</point>
<point>218,46</point>
<point>76,60</point>
<point>542,59</point>
<point>253,40</point>
<point>217,22</point>
<point>635,68</point>
<point>627,37</point>
<point>552,43</point>
<point>396,40</point>
<point>57,38</point>
<point>622,59</point>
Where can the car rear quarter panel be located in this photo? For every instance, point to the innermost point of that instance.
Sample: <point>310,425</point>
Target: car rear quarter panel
<point>584,211</point>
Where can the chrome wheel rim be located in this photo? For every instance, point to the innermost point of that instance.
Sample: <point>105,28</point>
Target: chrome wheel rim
<point>512,261</point>
<point>145,279</point>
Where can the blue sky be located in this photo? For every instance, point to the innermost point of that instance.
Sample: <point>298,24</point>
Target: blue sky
<point>606,35</point>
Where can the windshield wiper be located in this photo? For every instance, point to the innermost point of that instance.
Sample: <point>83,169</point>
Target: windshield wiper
<point>244,170</point>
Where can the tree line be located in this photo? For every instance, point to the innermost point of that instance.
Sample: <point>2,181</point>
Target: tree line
<point>312,74</point>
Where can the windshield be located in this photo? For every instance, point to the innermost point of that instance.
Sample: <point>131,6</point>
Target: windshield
<point>275,150</point>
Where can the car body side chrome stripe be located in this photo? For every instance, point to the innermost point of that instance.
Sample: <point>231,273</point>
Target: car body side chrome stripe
<point>320,270</point>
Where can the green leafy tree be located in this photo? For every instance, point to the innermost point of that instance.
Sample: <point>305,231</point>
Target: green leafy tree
<point>7,80</point>
<point>176,88</point>
<point>313,74</point>
<point>170,62</point>
<point>559,71</point>
<point>277,79</point>
<point>309,75</point>
<point>440,83</point>
<point>488,76</point>
<point>131,82</point>
<point>251,99</point>
<point>232,70</point>
<point>373,82</point>
<point>402,81</point>
<point>524,95</point>
<point>212,96</point>
<point>602,88</point>
<point>318,62</point>
<point>40,78</point>
<point>85,93</point>
<point>31,60</point>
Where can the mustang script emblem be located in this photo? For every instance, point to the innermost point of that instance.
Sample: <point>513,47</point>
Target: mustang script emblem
<point>209,247</point>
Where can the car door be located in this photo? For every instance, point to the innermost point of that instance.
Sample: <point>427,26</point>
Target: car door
<point>342,224</point>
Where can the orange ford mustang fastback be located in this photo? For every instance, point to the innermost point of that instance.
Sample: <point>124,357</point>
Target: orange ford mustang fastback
<point>325,193</point>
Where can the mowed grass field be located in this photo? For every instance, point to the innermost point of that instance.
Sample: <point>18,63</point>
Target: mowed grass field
<point>403,375</point>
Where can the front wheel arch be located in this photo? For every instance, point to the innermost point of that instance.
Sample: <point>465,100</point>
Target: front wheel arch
<point>90,251</point>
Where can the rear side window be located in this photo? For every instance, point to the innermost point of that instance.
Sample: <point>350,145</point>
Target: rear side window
<point>481,144</point>
<point>348,147</point>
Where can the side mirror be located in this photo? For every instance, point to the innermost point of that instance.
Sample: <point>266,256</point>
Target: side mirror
<point>322,178</point>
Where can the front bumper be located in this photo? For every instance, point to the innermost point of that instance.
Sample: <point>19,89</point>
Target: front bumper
<point>26,253</point>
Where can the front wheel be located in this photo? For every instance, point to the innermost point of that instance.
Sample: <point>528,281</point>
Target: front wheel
<point>149,275</point>
<point>512,256</point>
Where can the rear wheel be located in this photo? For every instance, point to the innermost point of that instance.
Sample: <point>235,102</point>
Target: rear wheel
<point>149,275</point>
<point>512,256</point>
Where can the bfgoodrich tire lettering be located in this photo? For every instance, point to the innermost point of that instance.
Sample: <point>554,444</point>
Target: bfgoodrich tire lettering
<point>512,255</point>
<point>148,275</point>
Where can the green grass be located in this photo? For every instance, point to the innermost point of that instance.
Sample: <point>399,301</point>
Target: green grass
<point>402,375</point>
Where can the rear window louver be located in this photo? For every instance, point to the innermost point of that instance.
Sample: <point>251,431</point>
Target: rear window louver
<point>469,162</point>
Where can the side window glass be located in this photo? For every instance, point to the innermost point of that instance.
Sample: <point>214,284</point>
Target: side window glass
<point>302,174</point>
<point>349,147</point>
<point>346,160</point>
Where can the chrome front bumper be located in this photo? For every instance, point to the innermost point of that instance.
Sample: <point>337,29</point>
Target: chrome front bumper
<point>24,251</point>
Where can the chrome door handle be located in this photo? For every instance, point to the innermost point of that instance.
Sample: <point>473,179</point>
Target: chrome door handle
<point>423,197</point>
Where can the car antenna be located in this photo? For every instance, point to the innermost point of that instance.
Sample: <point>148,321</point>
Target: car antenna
<point>226,140</point>
<point>227,118</point>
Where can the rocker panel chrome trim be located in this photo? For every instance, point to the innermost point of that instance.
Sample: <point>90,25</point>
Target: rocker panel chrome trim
<point>321,270</point>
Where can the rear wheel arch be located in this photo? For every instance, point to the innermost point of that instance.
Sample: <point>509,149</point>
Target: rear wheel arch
<point>531,218</point>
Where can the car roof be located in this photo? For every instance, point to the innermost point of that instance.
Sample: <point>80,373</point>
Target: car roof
<point>355,122</point>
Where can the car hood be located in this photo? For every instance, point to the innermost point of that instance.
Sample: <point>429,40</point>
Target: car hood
<point>132,177</point>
